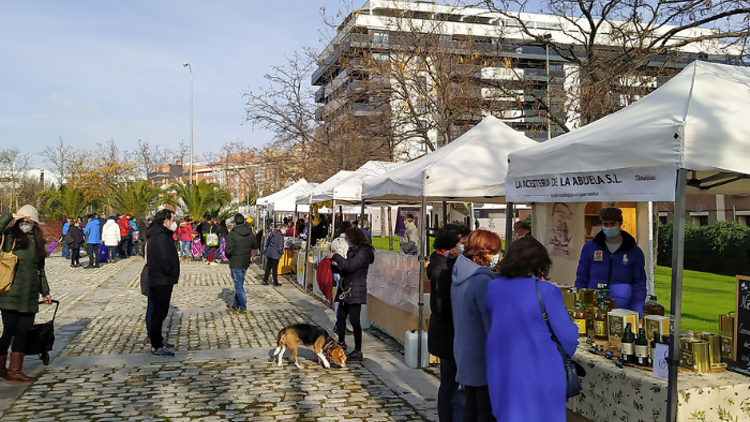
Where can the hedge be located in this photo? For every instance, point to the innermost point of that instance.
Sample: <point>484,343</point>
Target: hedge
<point>721,248</point>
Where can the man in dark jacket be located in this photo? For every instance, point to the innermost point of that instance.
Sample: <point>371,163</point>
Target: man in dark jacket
<point>613,261</point>
<point>274,250</point>
<point>240,243</point>
<point>163,270</point>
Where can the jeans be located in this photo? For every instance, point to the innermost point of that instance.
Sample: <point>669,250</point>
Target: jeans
<point>447,390</point>
<point>16,327</point>
<point>93,251</point>
<point>238,276</point>
<point>65,250</point>
<point>111,253</point>
<point>185,248</point>
<point>478,407</point>
<point>122,247</point>
<point>160,296</point>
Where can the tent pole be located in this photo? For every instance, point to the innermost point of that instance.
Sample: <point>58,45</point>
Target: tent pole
<point>333,219</point>
<point>422,260</point>
<point>508,224</point>
<point>650,270</point>
<point>472,224</point>
<point>678,260</point>
<point>362,215</point>
<point>307,243</point>
<point>445,213</point>
<point>296,215</point>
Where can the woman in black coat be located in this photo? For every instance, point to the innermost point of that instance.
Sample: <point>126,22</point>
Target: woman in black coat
<point>353,270</point>
<point>447,247</point>
<point>76,235</point>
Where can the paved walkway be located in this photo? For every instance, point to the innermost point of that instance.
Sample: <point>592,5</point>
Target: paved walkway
<point>101,369</point>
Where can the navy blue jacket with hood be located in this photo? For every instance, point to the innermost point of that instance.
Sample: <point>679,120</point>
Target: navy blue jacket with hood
<point>622,272</point>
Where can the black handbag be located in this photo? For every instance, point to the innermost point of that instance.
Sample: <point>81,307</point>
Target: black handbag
<point>573,370</point>
<point>145,285</point>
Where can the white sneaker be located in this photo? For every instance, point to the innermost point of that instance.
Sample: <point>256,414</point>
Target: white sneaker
<point>213,263</point>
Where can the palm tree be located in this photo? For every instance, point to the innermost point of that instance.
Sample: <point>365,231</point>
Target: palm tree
<point>135,198</point>
<point>201,198</point>
<point>64,202</point>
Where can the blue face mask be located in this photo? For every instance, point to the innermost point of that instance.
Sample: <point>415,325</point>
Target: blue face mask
<point>351,245</point>
<point>495,260</point>
<point>611,232</point>
<point>461,246</point>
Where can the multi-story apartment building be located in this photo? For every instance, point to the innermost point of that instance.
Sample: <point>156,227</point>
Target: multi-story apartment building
<point>496,68</point>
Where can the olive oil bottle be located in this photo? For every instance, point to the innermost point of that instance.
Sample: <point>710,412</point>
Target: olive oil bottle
<point>628,345</point>
<point>654,342</point>
<point>641,348</point>
<point>606,299</point>
<point>579,318</point>
<point>600,323</point>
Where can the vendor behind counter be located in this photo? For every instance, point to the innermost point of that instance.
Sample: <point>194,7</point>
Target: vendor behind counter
<point>613,260</point>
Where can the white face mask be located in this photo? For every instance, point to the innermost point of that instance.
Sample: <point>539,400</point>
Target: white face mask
<point>173,226</point>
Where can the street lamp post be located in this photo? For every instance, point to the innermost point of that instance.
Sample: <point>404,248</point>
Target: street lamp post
<point>191,121</point>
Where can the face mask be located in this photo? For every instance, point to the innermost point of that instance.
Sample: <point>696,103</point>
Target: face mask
<point>516,236</point>
<point>462,248</point>
<point>611,232</point>
<point>26,227</point>
<point>351,245</point>
<point>495,260</point>
<point>173,227</point>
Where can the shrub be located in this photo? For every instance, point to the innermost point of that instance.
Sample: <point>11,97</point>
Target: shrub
<point>722,248</point>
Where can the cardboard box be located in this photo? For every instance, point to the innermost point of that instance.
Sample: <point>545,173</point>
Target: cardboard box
<point>617,320</point>
<point>656,323</point>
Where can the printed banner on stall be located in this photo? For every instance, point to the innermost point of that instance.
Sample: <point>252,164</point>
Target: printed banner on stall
<point>627,184</point>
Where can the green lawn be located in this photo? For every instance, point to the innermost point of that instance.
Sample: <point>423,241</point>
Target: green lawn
<point>382,243</point>
<point>704,297</point>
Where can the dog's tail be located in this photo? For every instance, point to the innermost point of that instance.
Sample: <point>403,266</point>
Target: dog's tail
<point>278,341</point>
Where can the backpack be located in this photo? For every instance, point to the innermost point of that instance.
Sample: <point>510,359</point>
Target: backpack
<point>68,238</point>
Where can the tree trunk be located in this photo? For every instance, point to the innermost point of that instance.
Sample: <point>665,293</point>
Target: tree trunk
<point>382,222</point>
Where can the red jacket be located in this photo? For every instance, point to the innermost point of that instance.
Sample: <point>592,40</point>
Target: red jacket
<point>185,233</point>
<point>123,223</point>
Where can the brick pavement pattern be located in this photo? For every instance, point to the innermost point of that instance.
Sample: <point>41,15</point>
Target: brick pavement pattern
<point>223,371</point>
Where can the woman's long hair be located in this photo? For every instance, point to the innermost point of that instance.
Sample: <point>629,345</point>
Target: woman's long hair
<point>22,239</point>
<point>356,237</point>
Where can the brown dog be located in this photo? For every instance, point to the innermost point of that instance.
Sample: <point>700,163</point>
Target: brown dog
<point>312,337</point>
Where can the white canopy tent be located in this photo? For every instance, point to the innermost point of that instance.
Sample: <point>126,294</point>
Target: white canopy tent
<point>472,168</point>
<point>695,123</point>
<point>285,200</point>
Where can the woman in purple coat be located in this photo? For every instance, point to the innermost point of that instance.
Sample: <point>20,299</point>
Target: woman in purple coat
<point>525,372</point>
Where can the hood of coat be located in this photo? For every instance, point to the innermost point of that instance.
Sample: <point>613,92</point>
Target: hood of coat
<point>158,228</point>
<point>110,223</point>
<point>465,269</point>
<point>628,241</point>
<point>243,230</point>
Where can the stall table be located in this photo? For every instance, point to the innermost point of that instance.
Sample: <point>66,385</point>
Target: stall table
<point>629,394</point>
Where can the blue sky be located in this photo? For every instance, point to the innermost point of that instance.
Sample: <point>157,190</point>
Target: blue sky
<point>88,71</point>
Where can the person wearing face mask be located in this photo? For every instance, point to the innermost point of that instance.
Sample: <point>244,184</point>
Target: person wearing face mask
<point>353,288</point>
<point>613,260</point>
<point>521,229</point>
<point>470,277</point>
<point>20,303</point>
<point>448,245</point>
<point>163,268</point>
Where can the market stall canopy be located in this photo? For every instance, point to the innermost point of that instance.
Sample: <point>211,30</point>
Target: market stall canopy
<point>472,168</point>
<point>323,191</point>
<point>284,200</point>
<point>349,191</point>
<point>697,121</point>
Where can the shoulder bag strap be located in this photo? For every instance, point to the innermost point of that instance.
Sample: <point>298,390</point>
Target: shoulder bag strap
<point>546,320</point>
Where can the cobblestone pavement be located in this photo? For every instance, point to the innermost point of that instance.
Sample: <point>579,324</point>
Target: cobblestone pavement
<point>101,369</point>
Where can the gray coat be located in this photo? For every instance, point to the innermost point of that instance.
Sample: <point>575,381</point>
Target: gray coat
<point>470,320</point>
<point>274,247</point>
<point>409,242</point>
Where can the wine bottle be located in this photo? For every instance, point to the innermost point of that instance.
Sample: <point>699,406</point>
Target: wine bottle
<point>654,342</point>
<point>628,345</point>
<point>641,348</point>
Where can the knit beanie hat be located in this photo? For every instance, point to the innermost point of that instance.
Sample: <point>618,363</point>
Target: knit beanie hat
<point>30,211</point>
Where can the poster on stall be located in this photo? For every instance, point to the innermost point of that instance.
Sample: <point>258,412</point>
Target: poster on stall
<point>560,228</point>
<point>400,225</point>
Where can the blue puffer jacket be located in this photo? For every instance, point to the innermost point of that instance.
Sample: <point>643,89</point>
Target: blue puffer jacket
<point>623,272</point>
<point>274,248</point>
<point>93,232</point>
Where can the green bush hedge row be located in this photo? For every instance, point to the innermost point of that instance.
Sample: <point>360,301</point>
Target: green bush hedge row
<point>721,248</point>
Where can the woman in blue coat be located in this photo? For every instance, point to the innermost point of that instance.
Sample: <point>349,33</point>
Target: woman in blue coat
<point>525,372</point>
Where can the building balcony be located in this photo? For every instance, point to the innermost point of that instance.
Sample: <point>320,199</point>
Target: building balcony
<point>320,95</point>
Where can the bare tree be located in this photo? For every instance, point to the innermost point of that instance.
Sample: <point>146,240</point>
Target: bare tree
<point>149,157</point>
<point>13,168</point>
<point>58,156</point>
<point>615,51</point>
